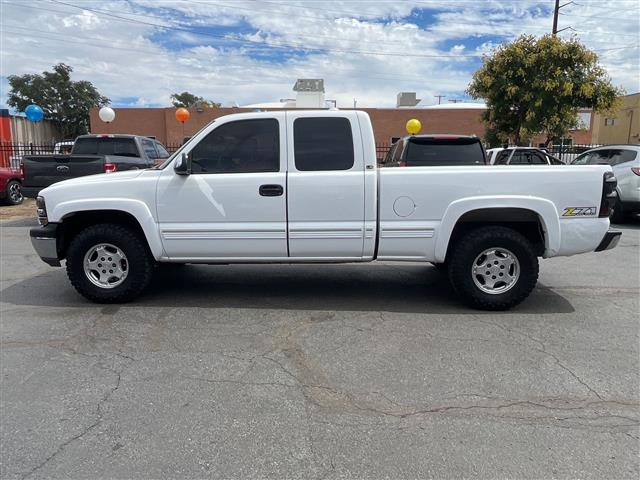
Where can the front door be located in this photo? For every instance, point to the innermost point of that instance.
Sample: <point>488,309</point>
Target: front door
<point>326,188</point>
<point>233,204</point>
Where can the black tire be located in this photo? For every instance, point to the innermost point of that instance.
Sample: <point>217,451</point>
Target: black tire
<point>466,250</point>
<point>140,263</point>
<point>617,215</point>
<point>13,193</point>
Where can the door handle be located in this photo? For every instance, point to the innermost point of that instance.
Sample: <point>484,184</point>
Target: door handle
<point>271,190</point>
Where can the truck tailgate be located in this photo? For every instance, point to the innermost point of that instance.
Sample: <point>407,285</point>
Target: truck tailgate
<point>44,170</point>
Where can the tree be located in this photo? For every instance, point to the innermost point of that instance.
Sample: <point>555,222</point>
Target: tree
<point>65,103</point>
<point>187,100</point>
<point>537,85</point>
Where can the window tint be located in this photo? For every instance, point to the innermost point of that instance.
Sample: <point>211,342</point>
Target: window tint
<point>322,144</point>
<point>86,146</point>
<point>162,152</point>
<point>598,157</point>
<point>621,156</point>
<point>239,147</point>
<point>443,152</point>
<point>149,149</point>
<point>502,157</point>
<point>582,159</point>
<point>123,147</point>
<point>536,158</point>
<point>517,159</point>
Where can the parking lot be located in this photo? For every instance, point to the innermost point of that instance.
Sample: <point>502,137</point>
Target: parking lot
<point>367,371</point>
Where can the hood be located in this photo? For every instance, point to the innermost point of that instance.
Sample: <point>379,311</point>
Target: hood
<point>100,178</point>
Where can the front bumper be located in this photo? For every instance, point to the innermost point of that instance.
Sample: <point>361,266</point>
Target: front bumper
<point>609,241</point>
<point>45,242</point>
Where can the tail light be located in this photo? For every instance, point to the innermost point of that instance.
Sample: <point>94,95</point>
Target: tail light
<point>22,170</point>
<point>636,170</point>
<point>110,167</point>
<point>609,194</point>
<point>402,163</point>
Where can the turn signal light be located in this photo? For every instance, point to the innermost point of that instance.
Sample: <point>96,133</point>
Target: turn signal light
<point>110,167</point>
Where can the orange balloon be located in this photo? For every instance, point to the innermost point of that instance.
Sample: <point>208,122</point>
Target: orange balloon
<point>182,115</point>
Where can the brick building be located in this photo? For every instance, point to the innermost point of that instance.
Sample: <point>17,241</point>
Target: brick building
<point>388,123</point>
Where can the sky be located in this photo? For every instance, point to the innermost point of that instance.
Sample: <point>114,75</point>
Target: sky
<point>238,52</point>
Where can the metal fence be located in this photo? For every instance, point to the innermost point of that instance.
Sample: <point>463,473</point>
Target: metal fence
<point>11,153</point>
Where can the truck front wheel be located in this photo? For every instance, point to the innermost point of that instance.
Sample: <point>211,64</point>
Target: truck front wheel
<point>493,268</point>
<point>109,263</point>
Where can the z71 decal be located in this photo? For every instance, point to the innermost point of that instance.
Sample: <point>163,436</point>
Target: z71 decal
<point>579,211</point>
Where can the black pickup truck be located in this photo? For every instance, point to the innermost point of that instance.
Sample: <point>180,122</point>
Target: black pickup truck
<point>91,154</point>
<point>435,150</point>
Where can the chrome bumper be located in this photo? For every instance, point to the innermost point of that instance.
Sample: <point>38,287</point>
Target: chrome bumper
<point>609,241</point>
<point>45,243</point>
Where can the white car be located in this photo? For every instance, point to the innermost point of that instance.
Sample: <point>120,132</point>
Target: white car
<point>625,161</point>
<point>303,186</point>
<point>520,156</point>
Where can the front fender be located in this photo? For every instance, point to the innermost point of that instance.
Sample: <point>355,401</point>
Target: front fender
<point>138,209</point>
<point>545,209</point>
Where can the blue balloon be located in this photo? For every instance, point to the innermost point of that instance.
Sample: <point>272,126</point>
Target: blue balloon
<point>34,113</point>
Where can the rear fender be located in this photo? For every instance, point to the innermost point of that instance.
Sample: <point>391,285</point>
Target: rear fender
<point>545,209</point>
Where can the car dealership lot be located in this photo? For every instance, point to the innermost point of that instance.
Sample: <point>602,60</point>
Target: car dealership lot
<point>327,371</point>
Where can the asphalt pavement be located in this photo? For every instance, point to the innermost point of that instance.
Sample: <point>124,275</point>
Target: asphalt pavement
<point>322,371</point>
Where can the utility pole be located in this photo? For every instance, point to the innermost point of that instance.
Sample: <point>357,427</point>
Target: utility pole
<point>440,97</point>
<point>556,12</point>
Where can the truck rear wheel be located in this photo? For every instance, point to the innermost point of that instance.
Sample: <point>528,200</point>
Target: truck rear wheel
<point>109,263</point>
<point>493,268</point>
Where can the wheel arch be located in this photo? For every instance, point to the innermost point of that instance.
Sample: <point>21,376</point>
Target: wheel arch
<point>536,218</point>
<point>73,216</point>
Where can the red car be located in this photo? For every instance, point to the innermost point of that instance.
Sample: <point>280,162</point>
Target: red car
<point>11,186</point>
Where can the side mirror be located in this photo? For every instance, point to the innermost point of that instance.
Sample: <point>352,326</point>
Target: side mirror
<point>183,165</point>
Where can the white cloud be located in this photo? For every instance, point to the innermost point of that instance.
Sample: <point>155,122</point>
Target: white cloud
<point>127,59</point>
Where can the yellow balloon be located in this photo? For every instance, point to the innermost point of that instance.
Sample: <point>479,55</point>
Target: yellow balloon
<point>413,126</point>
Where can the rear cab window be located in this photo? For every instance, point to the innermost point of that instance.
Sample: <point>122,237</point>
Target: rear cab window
<point>125,147</point>
<point>323,143</point>
<point>434,151</point>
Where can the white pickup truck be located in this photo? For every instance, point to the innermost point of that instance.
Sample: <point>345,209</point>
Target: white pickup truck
<point>303,186</point>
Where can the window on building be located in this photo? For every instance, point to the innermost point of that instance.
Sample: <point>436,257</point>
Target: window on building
<point>609,122</point>
<point>246,146</point>
<point>323,143</point>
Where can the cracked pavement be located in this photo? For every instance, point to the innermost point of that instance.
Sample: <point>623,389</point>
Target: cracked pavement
<point>335,371</point>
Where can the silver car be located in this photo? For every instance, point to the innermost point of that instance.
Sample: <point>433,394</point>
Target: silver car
<point>625,161</point>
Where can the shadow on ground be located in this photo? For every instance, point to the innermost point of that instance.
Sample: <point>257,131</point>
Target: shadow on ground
<point>383,287</point>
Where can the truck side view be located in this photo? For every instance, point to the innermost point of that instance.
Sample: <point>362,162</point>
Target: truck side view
<point>303,186</point>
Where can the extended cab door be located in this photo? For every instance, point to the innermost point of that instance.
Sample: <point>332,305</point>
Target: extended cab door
<point>233,204</point>
<point>326,185</point>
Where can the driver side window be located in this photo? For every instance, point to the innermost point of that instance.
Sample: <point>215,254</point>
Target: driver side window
<point>245,146</point>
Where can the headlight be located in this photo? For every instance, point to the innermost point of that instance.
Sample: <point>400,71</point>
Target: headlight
<point>42,211</point>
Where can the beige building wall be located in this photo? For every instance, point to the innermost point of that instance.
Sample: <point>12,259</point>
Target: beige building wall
<point>621,127</point>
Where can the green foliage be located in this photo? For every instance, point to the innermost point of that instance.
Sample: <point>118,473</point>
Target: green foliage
<point>65,103</point>
<point>188,100</point>
<point>537,85</point>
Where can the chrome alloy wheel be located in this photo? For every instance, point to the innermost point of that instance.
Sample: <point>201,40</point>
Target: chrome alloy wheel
<point>105,265</point>
<point>15,193</point>
<point>495,271</point>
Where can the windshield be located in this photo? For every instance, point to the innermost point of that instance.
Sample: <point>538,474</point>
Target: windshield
<point>444,152</point>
